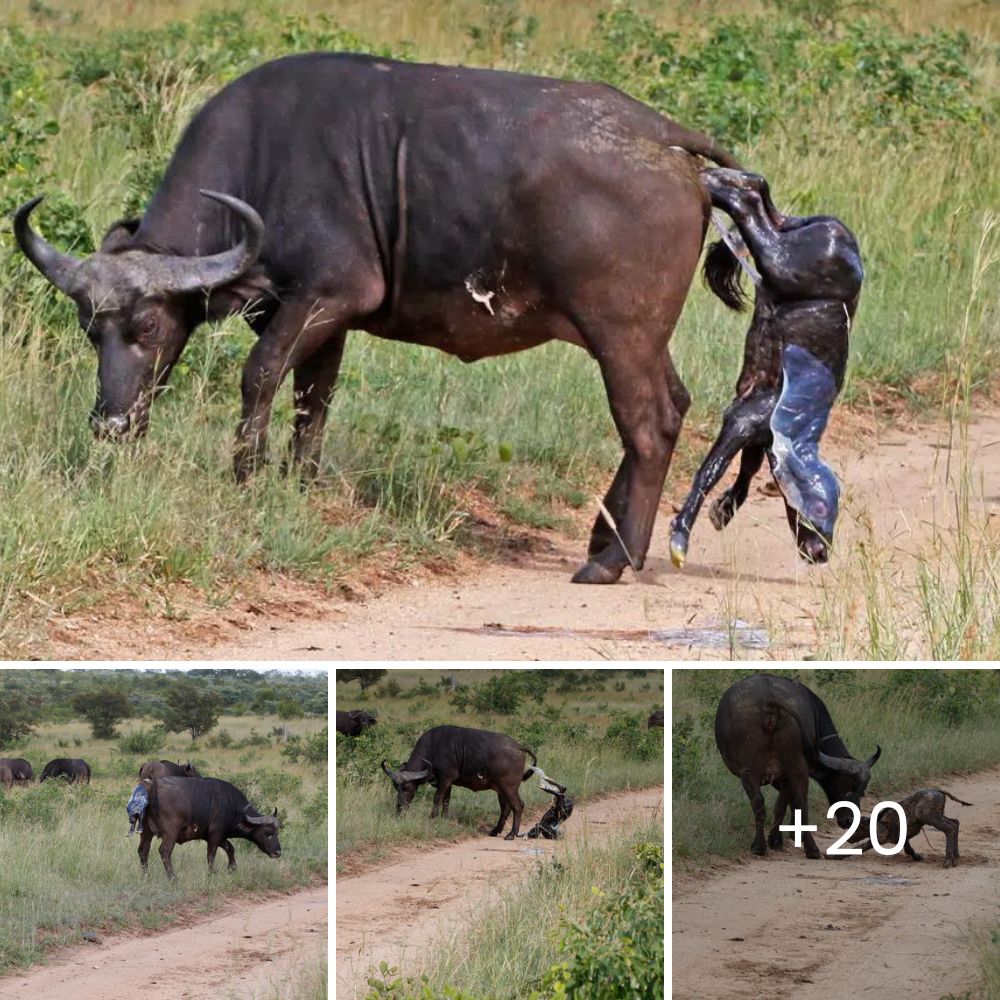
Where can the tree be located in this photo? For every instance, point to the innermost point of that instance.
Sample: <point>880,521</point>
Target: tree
<point>366,678</point>
<point>103,707</point>
<point>289,708</point>
<point>188,707</point>
<point>17,716</point>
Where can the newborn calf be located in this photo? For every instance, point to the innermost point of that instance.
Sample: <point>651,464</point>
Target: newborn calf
<point>793,363</point>
<point>924,807</point>
<point>137,806</point>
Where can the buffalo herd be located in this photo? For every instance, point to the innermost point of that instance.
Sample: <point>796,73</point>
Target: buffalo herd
<point>173,802</point>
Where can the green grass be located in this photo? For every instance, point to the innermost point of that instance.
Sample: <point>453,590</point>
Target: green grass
<point>367,824</point>
<point>415,435</point>
<point>69,866</point>
<point>929,726</point>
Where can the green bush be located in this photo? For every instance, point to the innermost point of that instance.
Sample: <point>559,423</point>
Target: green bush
<point>359,758</point>
<point>628,733</point>
<point>143,741</point>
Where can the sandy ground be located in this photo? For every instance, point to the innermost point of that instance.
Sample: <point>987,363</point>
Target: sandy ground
<point>786,927</point>
<point>393,913</point>
<point>744,591</point>
<point>248,950</point>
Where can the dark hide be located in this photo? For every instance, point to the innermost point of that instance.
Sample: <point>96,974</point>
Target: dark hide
<point>73,768</point>
<point>354,722</point>
<point>793,362</point>
<point>774,731</point>
<point>475,211</point>
<point>560,811</point>
<point>6,774</point>
<point>470,758</point>
<point>183,809</point>
<point>167,768</point>
<point>20,769</point>
<point>656,719</point>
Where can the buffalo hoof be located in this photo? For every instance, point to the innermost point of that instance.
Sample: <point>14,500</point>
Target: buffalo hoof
<point>510,836</point>
<point>678,549</point>
<point>950,862</point>
<point>813,853</point>
<point>759,849</point>
<point>594,572</point>
<point>721,512</point>
<point>493,833</point>
<point>777,842</point>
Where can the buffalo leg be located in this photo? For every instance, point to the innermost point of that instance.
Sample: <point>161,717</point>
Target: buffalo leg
<point>518,810</point>
<point>505,810</point>
<point>949,827</point>
<point>911,852</point>
<point>799,798</point>
<point>315,380</point>
<point>145,840</point>
<point>746,422</point>
<point>725,506</point>
<point>756,797</point>
<point>446,801</point>
<point>230,853</point>
<point>166,849</point>
<point>644,404</point>
<point>774,838</point>
<point>299,328</point>
<point>443,792</point>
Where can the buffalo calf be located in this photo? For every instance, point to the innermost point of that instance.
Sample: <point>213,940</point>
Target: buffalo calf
<point>925,807</point>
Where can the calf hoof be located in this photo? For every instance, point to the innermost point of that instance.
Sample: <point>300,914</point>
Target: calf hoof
<point>918,857</point>
<point>721,513</point>
<point>950,862</point>
<point>594,572</point>
<point>678,549</point>
<point>510,836</point>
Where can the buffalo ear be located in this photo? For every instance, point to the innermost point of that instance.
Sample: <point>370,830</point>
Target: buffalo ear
<point>119,235</point>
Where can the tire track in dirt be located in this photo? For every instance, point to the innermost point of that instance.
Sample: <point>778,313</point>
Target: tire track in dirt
<point>786,927</point>
<point>396,912</point>
<point>250,950</point>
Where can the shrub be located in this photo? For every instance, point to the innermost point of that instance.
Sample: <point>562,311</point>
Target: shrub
<point>220,740</point>
<point>359,758</point>
<point>629,735</point>
<point>142,741</point>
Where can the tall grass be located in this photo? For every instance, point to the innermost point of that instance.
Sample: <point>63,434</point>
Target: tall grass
<point>928,727</point>
<point>68,866</point>
<point>420,445</point>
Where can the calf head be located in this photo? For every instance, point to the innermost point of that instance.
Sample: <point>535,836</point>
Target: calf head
<point>263,831</point>
<point>407,783</point>
<point>137,307</point>
<point>846,779</point>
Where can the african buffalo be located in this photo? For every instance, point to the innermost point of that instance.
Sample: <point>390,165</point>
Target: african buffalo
<point>6,774</point>
<point>167,768</point>
<point>469,758</point>
<point>475,211</point>
<point>182,809</point>
<point>20,769</point>
<point>775,731</point>
<point>656,719</point>
<point>354,722</point>
<point>75,769</point>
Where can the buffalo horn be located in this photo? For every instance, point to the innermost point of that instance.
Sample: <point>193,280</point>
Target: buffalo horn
<point>838,763</point>
<point>874,757</point>
<point>394,776</point>
<point>259,820</point>
<point>58,267</point>
<point>191,274</point>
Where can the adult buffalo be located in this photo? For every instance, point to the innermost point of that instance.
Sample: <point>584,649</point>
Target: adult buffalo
<point>6,774</point>
<point>20,769</point>
<point>474,211</point>
<point>167,768</point>
<point>775,731</point>
<point>182,809</point>
<point>354,722</point>
<point>470,758</point>
<point>656,719</point>
<point>75,769</point>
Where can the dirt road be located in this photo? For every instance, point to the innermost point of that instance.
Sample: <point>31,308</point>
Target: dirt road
<point>393,913</point>
<point>744,590</point>
<point>786,927</point>
<point>248,950</point>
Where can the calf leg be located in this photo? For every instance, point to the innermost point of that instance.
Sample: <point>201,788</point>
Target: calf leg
<point>949,827</point>
<point>910,852</point>
<point>756,797</point>
<point>746,422</point>
<point>725,506</point>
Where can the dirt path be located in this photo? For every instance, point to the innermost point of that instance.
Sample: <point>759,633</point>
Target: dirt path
<point>393,913</point>
<point>249,950</point>
<point>786,927</point>
<point>744,586</point>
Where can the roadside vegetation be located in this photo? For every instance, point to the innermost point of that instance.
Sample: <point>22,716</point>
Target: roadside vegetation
<point>886,119</point>
<point>68,866</point>
<point>587,727</point>
<point>929,723</point>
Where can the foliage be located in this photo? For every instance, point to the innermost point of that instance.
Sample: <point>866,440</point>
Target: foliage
<point>391,986</point>
<point>953,697</point>
<point>142,741</point>
<point>365,678</point>
<point>103,707</point>
<point>359,758</point>
<point>687,750</point>
<point>628,733</point>
<point>616,951</point>
<point>313,749</point>
<point>17,717</point>
<point>187,706</point>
